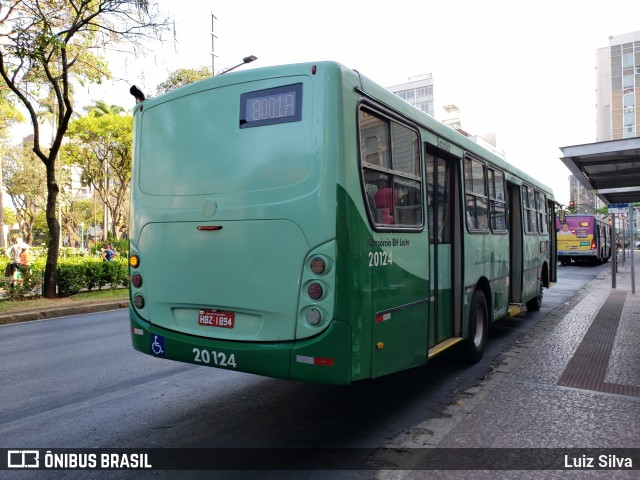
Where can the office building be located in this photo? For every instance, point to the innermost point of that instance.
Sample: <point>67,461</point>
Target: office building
<point>618,88</point>
<point>585,200</point>
<point>418,91</point>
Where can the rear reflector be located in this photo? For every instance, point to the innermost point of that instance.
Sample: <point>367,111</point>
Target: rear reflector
<point>314,360</point>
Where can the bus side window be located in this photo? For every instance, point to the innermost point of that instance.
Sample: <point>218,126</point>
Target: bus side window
<point>379,197</point>
<point>497,201</point>
<point>390,157</point>
<point>475,174</point>
<point>372,206</point>
<point>531,213</point>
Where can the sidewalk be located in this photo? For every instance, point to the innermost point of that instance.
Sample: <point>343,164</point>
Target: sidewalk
<point>77,308</point>
<point>572,383</point>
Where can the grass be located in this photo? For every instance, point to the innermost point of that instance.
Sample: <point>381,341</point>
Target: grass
<point>97,295</point>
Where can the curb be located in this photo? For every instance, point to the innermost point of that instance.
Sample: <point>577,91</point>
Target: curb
<point>62,311</point>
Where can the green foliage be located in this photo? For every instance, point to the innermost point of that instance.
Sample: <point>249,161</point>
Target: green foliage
<point>48,46</point>
<point>29,285</point>
<point>121,245</point>
<point>9,216</point>
<point>24,179</point>
<point>100,145</point>
<point>181,77</point>
<point>71,278</point>
<point>9,114</point>
<point>75,274</point>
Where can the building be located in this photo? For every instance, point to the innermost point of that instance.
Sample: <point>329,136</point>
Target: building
<point>585,200</point>
<point>617,102</point>
<point>618,88</point>
<point>418,91</point>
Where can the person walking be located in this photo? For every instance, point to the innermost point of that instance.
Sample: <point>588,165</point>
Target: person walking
<point>109,253</point>
<point>13,252</point>
<point>25,262</point>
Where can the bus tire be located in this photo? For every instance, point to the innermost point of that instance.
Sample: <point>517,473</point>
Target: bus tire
<point>535,303</point>
<point>478,326</point>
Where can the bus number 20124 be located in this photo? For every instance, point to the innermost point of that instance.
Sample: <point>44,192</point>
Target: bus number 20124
<point>380,259</point>
<point>219,359</point>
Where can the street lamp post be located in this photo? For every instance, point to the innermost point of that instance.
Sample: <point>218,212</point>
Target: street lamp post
<point>245,60</point>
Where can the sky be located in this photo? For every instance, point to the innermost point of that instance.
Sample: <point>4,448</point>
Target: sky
<point>524,70</point>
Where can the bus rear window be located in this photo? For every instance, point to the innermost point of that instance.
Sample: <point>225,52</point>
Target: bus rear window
<point>271,106</point>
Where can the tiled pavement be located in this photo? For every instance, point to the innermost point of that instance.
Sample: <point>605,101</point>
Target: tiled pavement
<point>572,383</point>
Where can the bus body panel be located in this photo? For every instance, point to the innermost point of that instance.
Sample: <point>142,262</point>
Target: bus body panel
<point>325,358</point>
<point>248,268</point>
<point>487,256</point>
<point>400,301</point>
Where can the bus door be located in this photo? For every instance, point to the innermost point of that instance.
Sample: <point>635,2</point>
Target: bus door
<point>553,242</point>
<point>515,242</point>
<point>445,265</point>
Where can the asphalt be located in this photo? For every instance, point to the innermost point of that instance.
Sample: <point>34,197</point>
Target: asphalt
<point>570,387</point>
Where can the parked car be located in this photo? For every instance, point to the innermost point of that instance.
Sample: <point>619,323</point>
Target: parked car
<point>638,245</point>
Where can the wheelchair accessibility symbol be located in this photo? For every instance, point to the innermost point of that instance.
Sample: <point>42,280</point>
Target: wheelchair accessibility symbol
<point>157,345</point>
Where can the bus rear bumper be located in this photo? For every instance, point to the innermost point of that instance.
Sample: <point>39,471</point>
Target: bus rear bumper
<point>578,253</point>
<point>325,358</point>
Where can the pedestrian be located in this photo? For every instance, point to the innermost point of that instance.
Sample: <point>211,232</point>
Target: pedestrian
<point>109,253</point>
<point>13,252</point>
<point>25,262</point>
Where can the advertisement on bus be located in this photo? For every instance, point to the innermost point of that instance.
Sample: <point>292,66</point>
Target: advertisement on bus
<point>583,237</point>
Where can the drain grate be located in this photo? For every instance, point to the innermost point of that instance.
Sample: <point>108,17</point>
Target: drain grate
<point>587,368</point>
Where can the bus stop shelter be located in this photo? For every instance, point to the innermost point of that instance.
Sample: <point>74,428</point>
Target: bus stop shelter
<point>612,170</point>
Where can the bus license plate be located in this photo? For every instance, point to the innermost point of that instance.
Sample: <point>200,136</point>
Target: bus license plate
<point>216,318</point>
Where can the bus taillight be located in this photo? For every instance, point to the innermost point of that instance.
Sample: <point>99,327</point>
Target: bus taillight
<point>134,261</point>
<point>315,291</point>
<point>136,280</point>
<point>318,265</point>
<point>593,244</point>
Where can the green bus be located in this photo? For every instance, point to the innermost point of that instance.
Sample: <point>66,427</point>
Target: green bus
<point>304,223</point>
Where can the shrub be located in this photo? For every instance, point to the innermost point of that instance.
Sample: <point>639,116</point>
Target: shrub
<point>88,273</point>
<point>30,286</point>
<point>75,273</point>
<point>72,277</point>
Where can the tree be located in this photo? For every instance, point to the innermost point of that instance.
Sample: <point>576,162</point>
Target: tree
<point>47,45</point>
<point>9,115</point>
<point>100,145</point>
<point>100,108</point>
<point>181,77</point>
<point>10,216</point>
<point>25,182</point>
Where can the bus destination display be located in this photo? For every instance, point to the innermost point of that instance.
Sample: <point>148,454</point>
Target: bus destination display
<point>271,106</point>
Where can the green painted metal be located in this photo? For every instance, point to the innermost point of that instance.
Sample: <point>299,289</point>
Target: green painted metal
<point>229,219</point>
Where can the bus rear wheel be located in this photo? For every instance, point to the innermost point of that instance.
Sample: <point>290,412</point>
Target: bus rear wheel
<point>535,303</point>
<point>478,326</point>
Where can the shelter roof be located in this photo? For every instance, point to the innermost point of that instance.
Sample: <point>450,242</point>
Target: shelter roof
<point>611,168</point>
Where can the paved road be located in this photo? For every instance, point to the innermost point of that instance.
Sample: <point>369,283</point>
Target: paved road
<point>76,382</point>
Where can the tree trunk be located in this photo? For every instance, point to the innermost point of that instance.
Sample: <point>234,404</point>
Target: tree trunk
<point>50,272</point>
